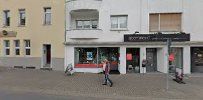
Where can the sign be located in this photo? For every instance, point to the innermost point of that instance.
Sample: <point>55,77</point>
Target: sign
<point>156,37</point>
<point>129,56</point>
<point>171,57</point>
<point>89,56</point>
<point>5,33</point>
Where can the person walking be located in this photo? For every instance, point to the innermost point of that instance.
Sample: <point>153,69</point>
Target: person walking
<point>106,73</point>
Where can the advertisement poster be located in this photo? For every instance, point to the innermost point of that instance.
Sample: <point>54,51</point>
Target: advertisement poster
<point>129,56</point>
<point>89,56</point>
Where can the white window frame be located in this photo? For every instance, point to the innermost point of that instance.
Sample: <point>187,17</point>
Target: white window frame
<point>91,24</point>
<point>17,47</point>
<point>118,22</point>
<point>21,12</point>
<point>6,14</point>
<point>27,47</point>
<point>45,16</point>
<point>6,47</point>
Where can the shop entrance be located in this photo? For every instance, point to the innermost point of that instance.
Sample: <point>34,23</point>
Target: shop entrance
<point>133,60</point>
<point>151,57</point>
<point>197,59</point>
<point>112,54</point>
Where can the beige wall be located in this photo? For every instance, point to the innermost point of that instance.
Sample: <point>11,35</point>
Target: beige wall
<point>34,29</point>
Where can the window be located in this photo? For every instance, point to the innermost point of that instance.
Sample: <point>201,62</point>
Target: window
<point>6,47</point>
<point>6,18</point>
<point>86,24</point>
<point>47,16</point>
<point>17,47</point>
<point>27,47</point>
<point>85,57</point>
<point>22,17</point>
<point>167,22</point>
<point>119,22</point>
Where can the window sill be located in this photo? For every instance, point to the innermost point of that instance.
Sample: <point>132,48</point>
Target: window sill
<point>6,26</point>
<point>86,29</point>
<point>119,29</point>
<point>47,24</point>
<point>21,25</point>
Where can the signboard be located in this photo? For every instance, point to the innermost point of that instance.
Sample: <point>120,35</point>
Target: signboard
<point>171,57</point>
<point>89,56</point>
<point>129,56</point>
<point>156,37</point>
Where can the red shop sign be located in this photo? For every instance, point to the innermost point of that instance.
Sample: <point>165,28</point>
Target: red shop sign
<point>129,56</point>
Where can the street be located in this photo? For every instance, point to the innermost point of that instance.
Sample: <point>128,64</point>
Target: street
<point>31,84</point>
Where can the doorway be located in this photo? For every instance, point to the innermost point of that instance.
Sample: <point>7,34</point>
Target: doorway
<point>133,60</point>
<point>151,57</point>
<point>197,59</point>
<point>46,55</point>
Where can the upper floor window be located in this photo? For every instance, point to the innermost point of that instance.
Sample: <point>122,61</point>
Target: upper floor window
<point>6,17</point>
<point>17,47</point>
<point>22,17</point>
<point>47,16</point>
<point>165,22</point>
<point>86,24</point>
<point>119,22</point>
<point>6,47</point>
<point>27,47</point>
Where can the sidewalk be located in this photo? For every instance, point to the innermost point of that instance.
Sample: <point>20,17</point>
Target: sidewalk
<point>129,86</point>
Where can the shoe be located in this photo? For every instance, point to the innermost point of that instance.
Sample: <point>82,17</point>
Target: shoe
<point>104,84</point>
<point>111,85</point>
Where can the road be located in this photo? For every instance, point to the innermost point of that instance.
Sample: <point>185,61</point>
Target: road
<point>10,95</point>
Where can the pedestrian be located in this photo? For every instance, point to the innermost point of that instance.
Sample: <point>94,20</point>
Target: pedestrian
<point>106,73</point>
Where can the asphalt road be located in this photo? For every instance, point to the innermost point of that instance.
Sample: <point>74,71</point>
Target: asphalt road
<point>10,95</point>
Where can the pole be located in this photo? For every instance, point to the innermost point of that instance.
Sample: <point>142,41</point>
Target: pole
<point>167,74</point>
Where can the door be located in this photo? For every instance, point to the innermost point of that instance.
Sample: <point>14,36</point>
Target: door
<point>46,55</point>
<point>151,57</point>
<point>197,59</point>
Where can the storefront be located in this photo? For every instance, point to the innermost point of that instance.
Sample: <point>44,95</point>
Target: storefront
<point>127,57</point>
<point>92,57</point>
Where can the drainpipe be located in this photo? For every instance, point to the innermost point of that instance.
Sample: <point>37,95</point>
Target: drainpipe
<point>65,20</point>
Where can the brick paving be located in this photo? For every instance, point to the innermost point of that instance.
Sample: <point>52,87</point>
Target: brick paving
<point>129,86</point>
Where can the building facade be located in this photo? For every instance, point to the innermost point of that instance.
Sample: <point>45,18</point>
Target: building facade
<point>95,31</point>
<point>32,33</point>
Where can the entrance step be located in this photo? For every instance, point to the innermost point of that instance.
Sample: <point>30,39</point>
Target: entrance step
<point>30,67</point>
<point>18,66</point>
<point>46,68</point>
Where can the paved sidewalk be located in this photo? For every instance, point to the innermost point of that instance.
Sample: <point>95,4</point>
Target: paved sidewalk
<point>129,86</point>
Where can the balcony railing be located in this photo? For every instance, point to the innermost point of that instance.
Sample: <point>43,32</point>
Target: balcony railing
<point>84,33</point>
<point>83,4</point>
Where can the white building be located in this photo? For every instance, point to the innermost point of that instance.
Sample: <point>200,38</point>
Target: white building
<point>96,29</point>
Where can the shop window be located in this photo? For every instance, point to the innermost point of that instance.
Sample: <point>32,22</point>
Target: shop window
<point>111,54</point>
<point>86,57</point>
<point>178,55</point>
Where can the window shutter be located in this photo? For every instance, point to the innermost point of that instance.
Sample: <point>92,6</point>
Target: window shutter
<point>153,22</point>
